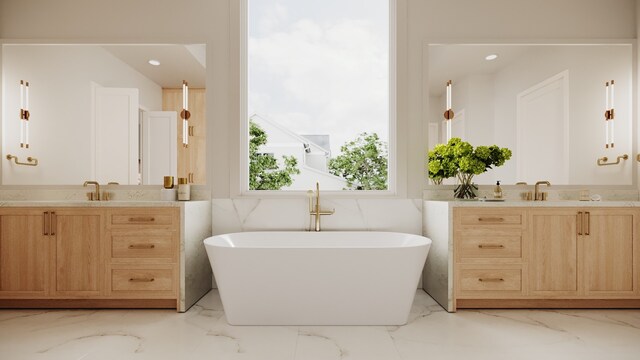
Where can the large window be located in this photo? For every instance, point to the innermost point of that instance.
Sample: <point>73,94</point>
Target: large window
<point>318,94</point>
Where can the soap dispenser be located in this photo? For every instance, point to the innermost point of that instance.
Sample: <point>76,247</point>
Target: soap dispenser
<point>497,191</point>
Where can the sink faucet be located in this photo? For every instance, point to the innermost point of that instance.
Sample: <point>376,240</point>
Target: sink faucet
<point>540,196</point>
<point>94,195</point>
<point>315,210</point>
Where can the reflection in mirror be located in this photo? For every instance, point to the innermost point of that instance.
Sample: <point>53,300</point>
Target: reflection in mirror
<point>108,113</point>
<point>544,102</point>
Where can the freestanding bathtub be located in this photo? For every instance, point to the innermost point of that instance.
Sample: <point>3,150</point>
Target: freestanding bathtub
<point>317,278</point>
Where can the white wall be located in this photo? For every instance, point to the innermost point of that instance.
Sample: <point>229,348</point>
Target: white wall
<point>61,80</point>
<point>209,22</point>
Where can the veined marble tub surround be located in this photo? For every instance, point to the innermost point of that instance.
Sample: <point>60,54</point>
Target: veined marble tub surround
<point>238,215</point>
<point>79,193</point>
<point>513,193</point>
<point>203,333</point>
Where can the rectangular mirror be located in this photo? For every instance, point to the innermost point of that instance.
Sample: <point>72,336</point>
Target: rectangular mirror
<point>544,102</point>
<point>110,113</point>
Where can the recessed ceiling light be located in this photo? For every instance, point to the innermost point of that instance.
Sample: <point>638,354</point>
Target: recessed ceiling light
<point>154,62</point>
<point>491,57</point>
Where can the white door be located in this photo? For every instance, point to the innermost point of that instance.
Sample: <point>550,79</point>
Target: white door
<point>543,113</point>
<point>159,148</point>
<point>116,135</point>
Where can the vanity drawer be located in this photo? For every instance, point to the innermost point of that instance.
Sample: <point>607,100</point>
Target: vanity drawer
<point>150,244</point>
<point>490,279</point>
<point>149,217</point>
<point>491,219</point>
<point>477,245</point>
<point>142,280</point>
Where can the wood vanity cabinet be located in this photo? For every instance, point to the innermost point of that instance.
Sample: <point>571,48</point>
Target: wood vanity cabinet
<point>546,257</point>
<point>89,257</point>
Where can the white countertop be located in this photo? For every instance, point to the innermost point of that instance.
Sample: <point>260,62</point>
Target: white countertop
<point>86,203</point>
<point>556,203</point>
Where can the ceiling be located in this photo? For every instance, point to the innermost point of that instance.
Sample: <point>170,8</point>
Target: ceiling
<point>177,62</point>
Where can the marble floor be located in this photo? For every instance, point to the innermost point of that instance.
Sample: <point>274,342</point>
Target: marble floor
<point>432,333</point>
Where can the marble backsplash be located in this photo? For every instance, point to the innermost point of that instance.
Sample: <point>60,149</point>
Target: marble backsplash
<point>445,192</point>
<point>238,215</point>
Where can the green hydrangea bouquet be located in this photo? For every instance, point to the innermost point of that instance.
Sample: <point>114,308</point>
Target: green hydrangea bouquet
<point>458,158</point>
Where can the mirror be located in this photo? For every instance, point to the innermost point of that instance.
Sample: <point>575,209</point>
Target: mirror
<point>544,102</point>
<point>103,112</point>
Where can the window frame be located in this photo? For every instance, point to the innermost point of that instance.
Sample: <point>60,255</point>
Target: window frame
<point>392,177</point>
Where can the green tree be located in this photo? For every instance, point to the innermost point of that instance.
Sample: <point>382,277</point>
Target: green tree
<point>363,163</point>
<point>264,172</point>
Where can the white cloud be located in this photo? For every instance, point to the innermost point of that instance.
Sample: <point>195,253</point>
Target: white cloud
<point>323,78</point>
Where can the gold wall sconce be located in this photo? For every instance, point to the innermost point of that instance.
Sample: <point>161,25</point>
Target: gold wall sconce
<point>603,160</point>
<point>24,114</point>
<point>185,114</point>
<point>448,113</point>
<point>31,161</point>
<point>609,114</point>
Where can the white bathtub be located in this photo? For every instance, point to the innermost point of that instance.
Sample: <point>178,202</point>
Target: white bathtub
<point>317,278</point>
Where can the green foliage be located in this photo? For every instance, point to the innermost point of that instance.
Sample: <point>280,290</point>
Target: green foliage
<point>457,156</point>
<point>264,172</point>
<point>363,163</point>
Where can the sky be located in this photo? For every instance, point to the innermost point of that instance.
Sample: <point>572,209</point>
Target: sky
<point>320,67</point>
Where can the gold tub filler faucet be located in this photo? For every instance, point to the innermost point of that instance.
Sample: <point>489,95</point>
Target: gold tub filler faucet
<point>314,207</point>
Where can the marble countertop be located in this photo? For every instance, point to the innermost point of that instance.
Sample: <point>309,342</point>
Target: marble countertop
<point>556,203</point>
<point>86,203</point>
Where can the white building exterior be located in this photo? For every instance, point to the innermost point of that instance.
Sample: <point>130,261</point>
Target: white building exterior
<point>312,158</point>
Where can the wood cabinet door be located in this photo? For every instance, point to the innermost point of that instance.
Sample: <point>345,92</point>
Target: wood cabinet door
<point>79,261</point>
<point>24,253</point>
<point>553,263</point>
<point>608,243</point>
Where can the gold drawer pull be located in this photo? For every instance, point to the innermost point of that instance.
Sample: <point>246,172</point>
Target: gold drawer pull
<point>491,219</point>
<point>142,246</point>
<point>142,219</point>
<point>490,279</point>
<point>141,279</point>
<point>491,246</point>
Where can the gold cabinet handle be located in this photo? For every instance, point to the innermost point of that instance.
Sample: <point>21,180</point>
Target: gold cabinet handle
<point>142,246</point>
<point>141,279</point>
<point>45,226</point>
<point>52,221</point>
<point>490,246</point>
<point>579,226</point>
<point>142,219</point>
<point>587,222</point>
<point>491,219</point>
<point>490,279</point>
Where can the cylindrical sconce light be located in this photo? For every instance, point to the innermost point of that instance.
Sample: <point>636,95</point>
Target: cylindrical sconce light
<point>448,113</point>
<point>185,114</point>
<point>24,114</point>
<point>609,114</point>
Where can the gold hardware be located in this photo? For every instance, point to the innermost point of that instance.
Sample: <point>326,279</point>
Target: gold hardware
<point>587,222</point>
<point>191,131</point>
<point>113,183</point>
<point>314,210</point>
<point>491,219</point>
<point>490,246</point>
<point>638,157</point>
<point>142,219</point>
<point>521,183</point>
<point>31,161</point>
<point>45,227</point>
<point>579,227</point>
<point>185,114</point>
<point>96,194</point>
<point>537,196</point>
<point>106,196</point>
<point>142,246</point>
<point>141,279</point>
<point>490,279</point>
<point>52,220</point>
<point>168,182</point>
<point>603,160</point>
<point>448,115</point>
<point>182,181</point>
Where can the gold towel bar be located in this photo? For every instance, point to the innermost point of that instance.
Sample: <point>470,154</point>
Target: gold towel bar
<point>31,161</point>
<point>603,160</point>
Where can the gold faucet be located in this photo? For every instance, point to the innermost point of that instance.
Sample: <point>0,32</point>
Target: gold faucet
<point>94,196</point>
<point>540,196</point>
<point>527,194</point>
<point>314,210</point>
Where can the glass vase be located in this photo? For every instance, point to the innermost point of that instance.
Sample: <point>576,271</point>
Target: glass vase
<point>466,189</point>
